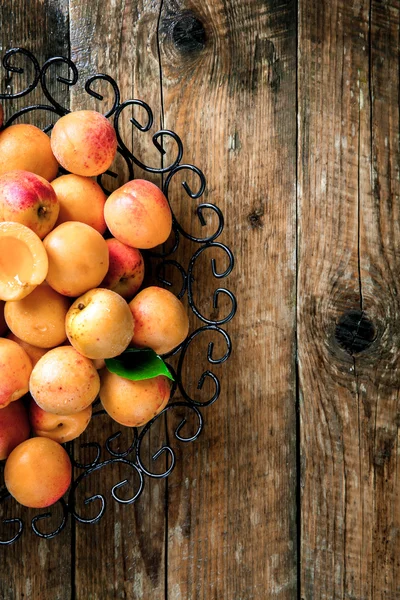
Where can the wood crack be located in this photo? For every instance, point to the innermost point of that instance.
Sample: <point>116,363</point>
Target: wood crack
<point>166,491</point>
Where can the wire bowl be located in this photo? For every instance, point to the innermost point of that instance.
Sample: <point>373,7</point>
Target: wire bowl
<point>159,264</point>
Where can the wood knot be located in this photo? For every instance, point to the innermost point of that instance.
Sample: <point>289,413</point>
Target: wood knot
<point>188,33</point>
<point>255,218</point>
<point>355,331</point>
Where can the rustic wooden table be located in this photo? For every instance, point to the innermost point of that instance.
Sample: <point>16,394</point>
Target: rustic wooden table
<point>292,111</point>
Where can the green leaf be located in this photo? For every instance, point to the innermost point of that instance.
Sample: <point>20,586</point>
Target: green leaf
<point>137,364</point>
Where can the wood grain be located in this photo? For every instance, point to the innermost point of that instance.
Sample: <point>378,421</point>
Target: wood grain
<point>34,568</point>
<point>348,260</point>
<point>228,73</point>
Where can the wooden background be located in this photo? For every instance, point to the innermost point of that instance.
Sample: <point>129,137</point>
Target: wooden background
<point>292,111</point>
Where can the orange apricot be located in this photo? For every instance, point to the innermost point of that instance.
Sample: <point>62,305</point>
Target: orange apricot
<point>14,427</point>
<point>99,324</point>
<point>133,403</point>
<point>15,369</point>
<point>161,321</point>
<point>26,147</point>
<point>84,142</point>
<point>39,319</point>
<point>64,382</point>
<point>23,261</point>
<point>60,428</point>
<point>138,214</point>
<point>33,352</point>
<point>81,199</point>
<point>38,472</point>
<point>78,258</point>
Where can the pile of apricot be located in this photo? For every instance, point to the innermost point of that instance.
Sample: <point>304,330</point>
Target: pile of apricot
<point>71,270</point>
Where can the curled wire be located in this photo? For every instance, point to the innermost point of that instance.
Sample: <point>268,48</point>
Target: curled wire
<point>99,498</point>
<point>47,515</point>
<point>166,449</point>
<point>12,68</point>
<point>218,275</point>
<point>207,374</point>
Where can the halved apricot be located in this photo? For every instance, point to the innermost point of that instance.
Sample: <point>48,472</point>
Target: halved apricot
<point>23,261</point>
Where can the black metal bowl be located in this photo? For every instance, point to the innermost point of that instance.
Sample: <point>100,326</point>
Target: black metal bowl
<point>165,269</point>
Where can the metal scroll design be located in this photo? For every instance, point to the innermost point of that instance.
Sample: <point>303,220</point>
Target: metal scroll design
<point>184,404</point>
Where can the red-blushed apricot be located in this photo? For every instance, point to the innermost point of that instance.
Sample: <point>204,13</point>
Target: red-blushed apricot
<point>138,214</point>
<point>64,382</point>
<point>133,403</point>
<point>81,199</point>
<point>26,147</point>
<point>38,472</point>
<point>60,428</point>
<point>84,142</point>
<point>39,319</point>
<point>15,370</point>
<point>14,427</point>
<point>23,261</point>
<point>78,258</point>
<point>3,324</point>
<point>126,269</point>
<point>29,199</point>
<point>99,324</point>
<point>161,321</point>
<point>33,352</point>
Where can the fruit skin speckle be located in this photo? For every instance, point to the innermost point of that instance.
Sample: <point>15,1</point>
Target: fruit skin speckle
<point>64,368</point>
<point>84,142</point>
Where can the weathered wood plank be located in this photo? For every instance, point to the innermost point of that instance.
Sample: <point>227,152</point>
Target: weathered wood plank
<point>121,39</point>
<point>348,256</point>
<point>34,568</point>
<point>228,72</point>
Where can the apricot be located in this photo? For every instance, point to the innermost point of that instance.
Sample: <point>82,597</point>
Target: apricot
<point>14,427</point>
<point>26,147</point>
<point>15,369</point>
<point>78,258</point>
<point>33,352</point>
<point>99,324</point>
<point>3,324</point>
<point>60,428</point>
<point>126,269</point>
<point>29,199</point>
<point>39,319</point>
<point>84,142</point>
<point>161,322</point>
<point>64,382</point>
<point>23,261</point>
<point>133,403</point>
<point>99,363</point>
<point>138,214</point>
<point>38,472</point>
<point>81,199</point>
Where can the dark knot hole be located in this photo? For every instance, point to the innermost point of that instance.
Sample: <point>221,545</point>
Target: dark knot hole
<point>355,331</point>
<point>188,33</point>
